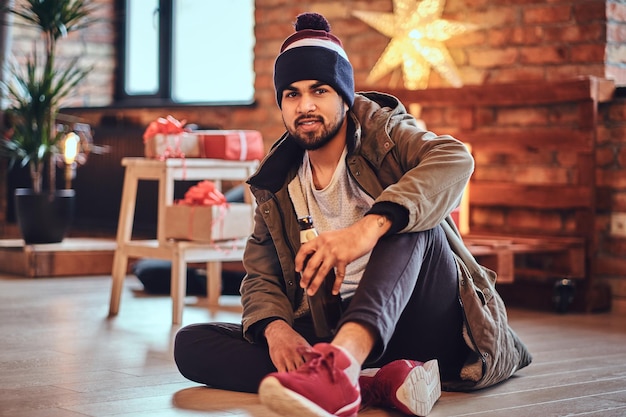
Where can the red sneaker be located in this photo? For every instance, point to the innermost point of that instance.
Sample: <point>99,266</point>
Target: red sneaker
<point>411,387</point>
<point>318,388</point>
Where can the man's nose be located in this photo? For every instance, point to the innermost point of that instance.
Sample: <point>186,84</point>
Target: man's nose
<point>306,105</point>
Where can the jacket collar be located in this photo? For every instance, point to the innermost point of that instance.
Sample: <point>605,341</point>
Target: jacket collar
<point>371,115</point>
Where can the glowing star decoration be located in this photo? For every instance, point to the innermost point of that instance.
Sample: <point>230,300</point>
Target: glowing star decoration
<point>417,34</point>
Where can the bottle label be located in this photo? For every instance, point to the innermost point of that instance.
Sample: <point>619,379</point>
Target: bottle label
<point>306,235</point>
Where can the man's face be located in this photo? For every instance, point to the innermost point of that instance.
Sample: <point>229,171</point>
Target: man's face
<point>313,113</point>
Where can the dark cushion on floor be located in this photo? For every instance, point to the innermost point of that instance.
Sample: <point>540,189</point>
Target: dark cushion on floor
<point>155,275</point>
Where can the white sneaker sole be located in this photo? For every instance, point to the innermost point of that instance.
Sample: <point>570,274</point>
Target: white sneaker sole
<point>288,403</point>
<point>421,389</point>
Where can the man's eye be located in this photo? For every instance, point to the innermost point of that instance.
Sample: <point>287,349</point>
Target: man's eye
<point>321,91</point>
<point>290,94</point>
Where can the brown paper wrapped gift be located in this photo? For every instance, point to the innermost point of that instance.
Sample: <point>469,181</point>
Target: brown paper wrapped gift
<point>208,223</point>
<point>181,145</point>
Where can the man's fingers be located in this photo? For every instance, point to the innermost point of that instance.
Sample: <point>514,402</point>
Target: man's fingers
<point>341,275</point>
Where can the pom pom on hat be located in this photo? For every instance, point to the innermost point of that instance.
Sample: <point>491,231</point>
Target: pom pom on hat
<point>311,21</point>
<point>313,53</point>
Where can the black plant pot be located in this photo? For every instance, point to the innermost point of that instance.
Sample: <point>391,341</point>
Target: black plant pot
<point>45,217</point>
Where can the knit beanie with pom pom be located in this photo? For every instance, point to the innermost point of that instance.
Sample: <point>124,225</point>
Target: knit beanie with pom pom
<point>313,53</point>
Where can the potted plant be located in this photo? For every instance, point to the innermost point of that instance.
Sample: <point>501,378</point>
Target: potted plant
<point>35,92</point>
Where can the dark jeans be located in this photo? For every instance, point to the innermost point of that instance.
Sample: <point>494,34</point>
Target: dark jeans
<point>408,292</point>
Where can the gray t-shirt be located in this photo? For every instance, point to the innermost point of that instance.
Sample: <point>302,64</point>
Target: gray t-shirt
<point>340,204</point>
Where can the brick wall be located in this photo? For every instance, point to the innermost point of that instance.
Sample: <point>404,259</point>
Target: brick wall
<point>611,175</point>
<point>516,40</point>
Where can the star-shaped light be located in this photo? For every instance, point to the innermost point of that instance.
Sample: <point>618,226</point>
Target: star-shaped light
<point>417,34</point>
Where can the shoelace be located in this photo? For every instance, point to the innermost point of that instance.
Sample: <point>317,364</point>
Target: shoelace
<point>316,362</point>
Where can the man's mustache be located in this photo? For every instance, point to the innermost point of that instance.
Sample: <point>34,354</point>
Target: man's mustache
<point>308,118</point>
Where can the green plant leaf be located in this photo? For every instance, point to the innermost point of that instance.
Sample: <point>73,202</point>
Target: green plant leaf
<point>37,88</point>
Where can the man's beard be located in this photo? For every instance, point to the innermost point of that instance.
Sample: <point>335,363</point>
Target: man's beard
<point>312,141</point>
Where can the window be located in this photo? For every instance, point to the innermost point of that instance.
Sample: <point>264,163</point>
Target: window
<point>187,52</point>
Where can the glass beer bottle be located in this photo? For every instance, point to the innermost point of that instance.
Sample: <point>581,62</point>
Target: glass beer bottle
<point>324,306</point>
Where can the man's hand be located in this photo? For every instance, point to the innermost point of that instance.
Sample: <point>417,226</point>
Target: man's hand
<point>337,249</point>
<point>283,342</point>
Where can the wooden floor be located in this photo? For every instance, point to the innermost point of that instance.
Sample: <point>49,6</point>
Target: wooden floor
<point>60,356</point>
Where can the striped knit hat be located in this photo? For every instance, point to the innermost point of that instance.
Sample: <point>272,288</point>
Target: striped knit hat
<point>313,53</point>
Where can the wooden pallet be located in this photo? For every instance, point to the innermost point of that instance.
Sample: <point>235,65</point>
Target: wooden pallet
<point>535,258</point>
<point>72,257</point>
<point>534,144</point>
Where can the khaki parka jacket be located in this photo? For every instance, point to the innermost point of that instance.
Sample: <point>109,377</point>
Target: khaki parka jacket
<point>393,160</point>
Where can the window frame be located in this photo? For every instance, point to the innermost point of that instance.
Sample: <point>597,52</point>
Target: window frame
<point>163,95</point>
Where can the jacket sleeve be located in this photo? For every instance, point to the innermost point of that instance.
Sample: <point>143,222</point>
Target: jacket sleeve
<point>263,292</point>
<point>436,170</point>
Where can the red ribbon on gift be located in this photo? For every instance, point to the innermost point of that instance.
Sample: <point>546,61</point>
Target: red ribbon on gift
<point>167,126</point>
<point>204,194</point>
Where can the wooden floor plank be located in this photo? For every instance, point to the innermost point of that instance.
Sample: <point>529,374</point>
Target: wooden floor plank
<point>542,401</point>
<point>61,356</point>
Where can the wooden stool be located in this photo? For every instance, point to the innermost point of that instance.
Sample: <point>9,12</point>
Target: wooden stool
<point>179,252</point>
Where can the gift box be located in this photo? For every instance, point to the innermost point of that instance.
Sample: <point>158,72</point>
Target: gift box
<point>237,145</point>
<point>167,137</point>
<point>208,223</point>
<point>181,145</point>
